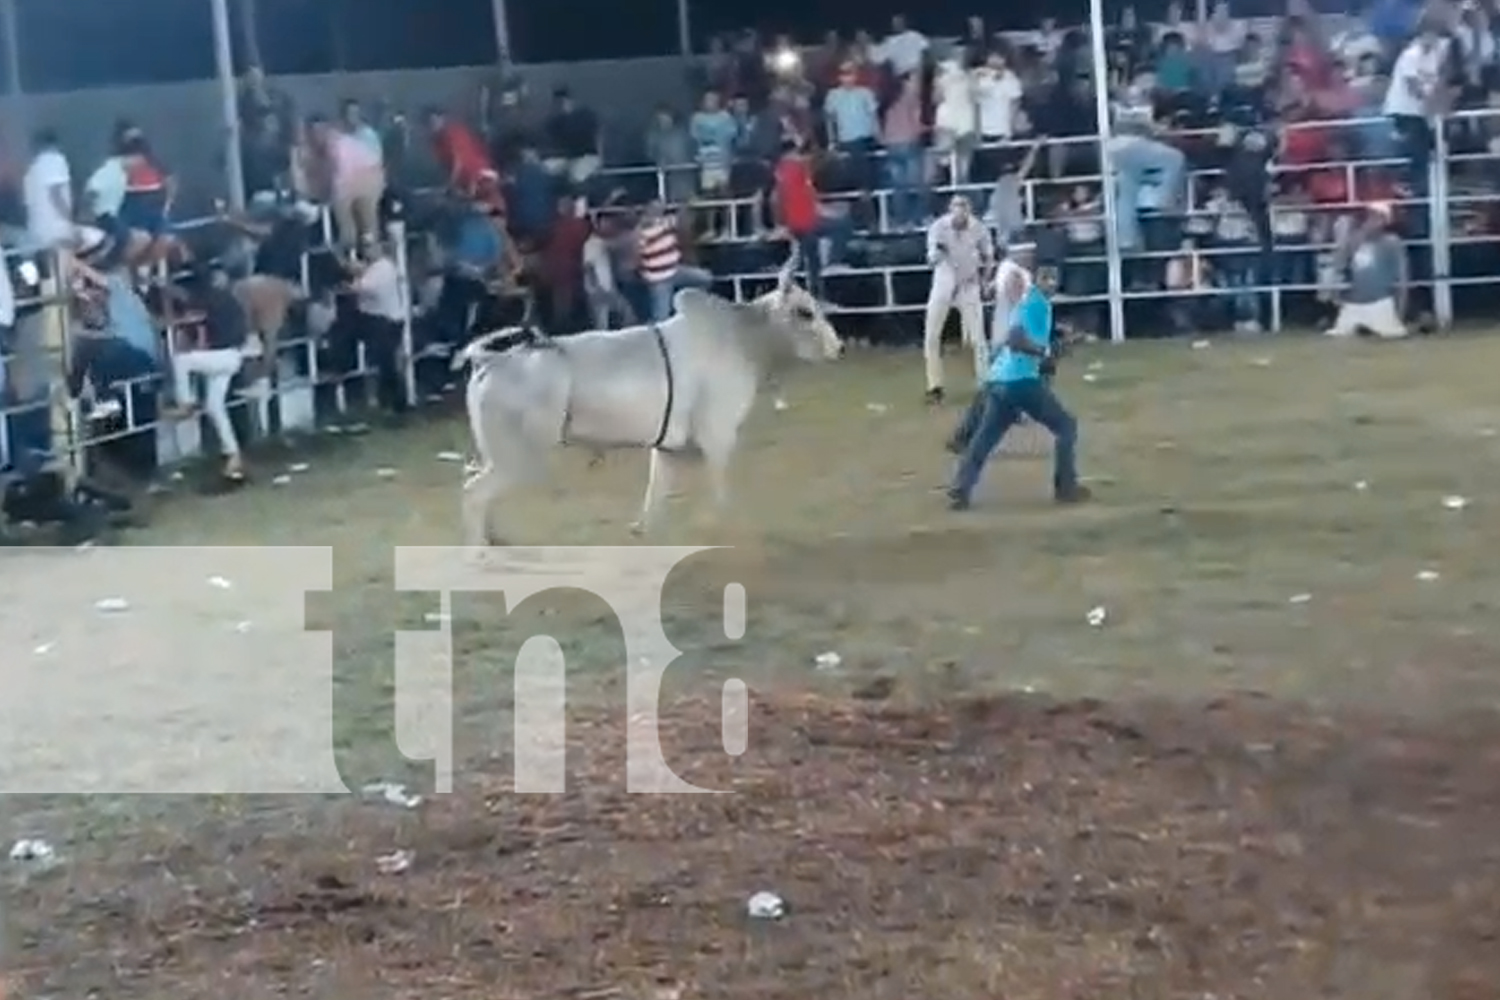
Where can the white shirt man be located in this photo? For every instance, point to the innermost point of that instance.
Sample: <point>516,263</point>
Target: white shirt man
<point>961,253</point>
<point>377,290</point>
<point>903,49</point>
<point>1416,77</point>
<point>47,189</point>
<point>1012,279</point>
<point>381,301</point>
<point>997,93</point>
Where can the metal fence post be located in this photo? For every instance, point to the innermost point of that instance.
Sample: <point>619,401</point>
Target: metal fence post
<point>397,235</point>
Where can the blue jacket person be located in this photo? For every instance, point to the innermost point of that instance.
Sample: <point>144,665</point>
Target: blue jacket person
<point>1015,387</point>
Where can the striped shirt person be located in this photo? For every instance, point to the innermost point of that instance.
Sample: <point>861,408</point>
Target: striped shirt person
<point>659,258</point>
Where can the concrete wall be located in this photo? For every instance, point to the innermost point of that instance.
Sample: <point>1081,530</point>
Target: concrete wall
<point>184,120</point>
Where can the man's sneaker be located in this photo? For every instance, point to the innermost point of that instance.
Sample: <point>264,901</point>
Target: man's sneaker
<point>1078,494</point>
<point>934,396</point>
<point>957,501</point>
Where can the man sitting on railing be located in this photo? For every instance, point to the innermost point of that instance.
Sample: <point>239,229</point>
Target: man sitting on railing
<point>116,384</point>
<point>1140,159</point>
<point>819,235</point>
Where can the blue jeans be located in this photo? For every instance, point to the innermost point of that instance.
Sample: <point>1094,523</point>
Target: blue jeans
<point>906,172</point>
<point>660,292</point>
<point>837,230</point>
<point>1004,403</point>
<point>28,434</point>
<point>1240,271</point>
<point>1136,159</point>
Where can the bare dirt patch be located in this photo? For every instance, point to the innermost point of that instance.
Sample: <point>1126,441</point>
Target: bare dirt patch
<point>1011,847</point>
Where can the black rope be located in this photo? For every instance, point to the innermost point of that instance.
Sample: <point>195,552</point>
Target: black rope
<point>666,360</point>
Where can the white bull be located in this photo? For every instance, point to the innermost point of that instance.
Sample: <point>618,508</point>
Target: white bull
<point>681,389</point>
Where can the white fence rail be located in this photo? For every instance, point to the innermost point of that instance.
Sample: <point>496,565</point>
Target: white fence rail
<point>1440,210</point>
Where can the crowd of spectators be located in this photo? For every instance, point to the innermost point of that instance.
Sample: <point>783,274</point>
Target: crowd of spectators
<point>844,149</point>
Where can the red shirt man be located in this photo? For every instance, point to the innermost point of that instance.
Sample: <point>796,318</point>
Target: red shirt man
<point>460,152</point>
<point>796,195</point>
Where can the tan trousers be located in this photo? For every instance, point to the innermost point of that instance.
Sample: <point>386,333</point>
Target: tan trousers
<point>356,207</point>
<point>946,296</point>
<point>266,301</point>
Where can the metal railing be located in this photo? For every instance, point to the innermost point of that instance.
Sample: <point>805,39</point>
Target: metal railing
<point>292,376</point>
<point>1434,236</point>
<point>296,373</point>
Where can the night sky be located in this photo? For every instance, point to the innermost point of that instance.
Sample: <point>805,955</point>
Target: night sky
<point>73,44</point>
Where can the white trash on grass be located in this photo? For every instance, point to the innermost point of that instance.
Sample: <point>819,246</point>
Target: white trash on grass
<point>281,480</point>
<point>766,906</point>
<point>1428,575</point>
<point>1299,599</point>
<point>827,661</point>
<point>450,456</point>
<point>780,404</point>
<point>32,850</point>
<point>386,472</point>
<point>220,582</point>
<point>1455,502</point>
<point>395,863</point>
<point>395,794</point>
<point>1097,616</point>
<point>111,605</point>
<point>876,407</point>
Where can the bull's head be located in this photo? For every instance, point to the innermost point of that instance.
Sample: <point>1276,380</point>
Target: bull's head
<point>801,317</point>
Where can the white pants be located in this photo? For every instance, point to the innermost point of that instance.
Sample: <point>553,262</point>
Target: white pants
<point>218,369</point>
<point>946,295</point>
<point>1380,318</point>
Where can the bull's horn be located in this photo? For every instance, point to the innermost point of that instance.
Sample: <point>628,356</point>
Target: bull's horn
<point>784,278</point>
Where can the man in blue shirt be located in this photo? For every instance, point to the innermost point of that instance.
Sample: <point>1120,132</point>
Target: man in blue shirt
<point>1017,387</point>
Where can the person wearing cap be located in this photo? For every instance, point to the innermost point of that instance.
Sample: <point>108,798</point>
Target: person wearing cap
<point>1016,387</point>
<point>1375,264</point>
<point>100,262</point>
<point>961,253</point>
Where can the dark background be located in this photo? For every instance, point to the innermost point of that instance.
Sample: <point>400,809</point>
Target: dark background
<point>76,44</point>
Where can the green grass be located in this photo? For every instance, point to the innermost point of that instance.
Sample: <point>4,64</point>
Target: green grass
<point>1226,483</point>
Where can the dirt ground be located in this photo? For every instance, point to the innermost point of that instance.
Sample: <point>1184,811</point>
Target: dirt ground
<point>1273,770</point>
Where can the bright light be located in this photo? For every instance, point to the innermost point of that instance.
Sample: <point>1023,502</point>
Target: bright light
<point>785,61</point>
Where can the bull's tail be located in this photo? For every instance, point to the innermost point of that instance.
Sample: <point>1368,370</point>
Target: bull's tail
<point>511,336</point>
<point>477,348</point>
